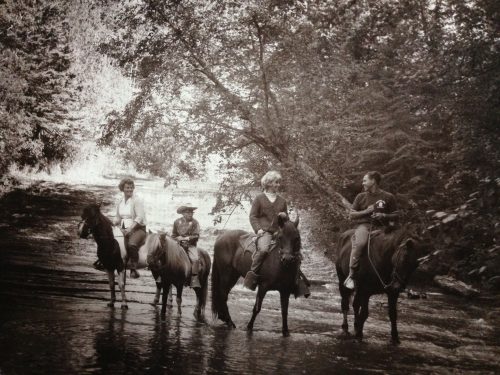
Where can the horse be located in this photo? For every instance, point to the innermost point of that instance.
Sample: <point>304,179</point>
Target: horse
<point>385,268</point>
<point>278,272</point>
<point>170,262</point>
<point>110,248</point>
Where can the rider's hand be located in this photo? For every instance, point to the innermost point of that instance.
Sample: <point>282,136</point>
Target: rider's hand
<point>260,232</point>
<point>378,215</point>
<point>370,209</point>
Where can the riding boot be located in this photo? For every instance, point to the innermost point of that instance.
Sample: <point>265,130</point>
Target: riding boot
<point>134,259</point>
<point>252,276</point>
<point>195,280</point>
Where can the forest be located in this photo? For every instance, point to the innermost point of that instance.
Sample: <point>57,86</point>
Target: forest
<point>323,91</point>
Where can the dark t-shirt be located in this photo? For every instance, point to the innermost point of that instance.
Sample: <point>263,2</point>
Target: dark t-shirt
<point>384,202</point>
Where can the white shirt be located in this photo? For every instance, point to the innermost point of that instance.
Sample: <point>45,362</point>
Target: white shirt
<point>125,211</point>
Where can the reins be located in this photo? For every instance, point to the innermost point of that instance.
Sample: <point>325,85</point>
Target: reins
<point>398,255</point>
<point>370,259</point>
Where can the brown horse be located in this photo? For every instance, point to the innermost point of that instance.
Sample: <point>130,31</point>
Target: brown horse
<point>169,261</point>
<point>278,272</point>
<point>385,268</point>
<point>110,248</point>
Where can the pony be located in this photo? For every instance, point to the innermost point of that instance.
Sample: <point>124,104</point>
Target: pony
<point>110,248</point>
<point>279,271</point>
<point>386,267</point>
<point>170,265</point>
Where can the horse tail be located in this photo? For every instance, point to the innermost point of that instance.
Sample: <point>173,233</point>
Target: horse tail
<point>217,297</point>
<point>204,281</point>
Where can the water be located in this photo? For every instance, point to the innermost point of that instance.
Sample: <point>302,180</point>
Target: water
<point>54,317</point>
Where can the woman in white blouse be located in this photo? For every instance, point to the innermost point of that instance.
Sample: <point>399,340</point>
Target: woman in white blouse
<point>131,217</point>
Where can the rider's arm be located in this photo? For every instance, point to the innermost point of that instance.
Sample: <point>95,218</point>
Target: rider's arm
<point>140,213</point>
<point>175,231</point>
<point>195,233</point>
<point>356,212</point>
<point>255,214</point>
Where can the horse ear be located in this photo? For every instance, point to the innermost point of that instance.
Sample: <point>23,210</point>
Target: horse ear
<point>296,222</point>
<point>282,219</point>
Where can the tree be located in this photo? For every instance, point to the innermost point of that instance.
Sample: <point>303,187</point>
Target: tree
<point>322,90</point>
<point>34,83</point>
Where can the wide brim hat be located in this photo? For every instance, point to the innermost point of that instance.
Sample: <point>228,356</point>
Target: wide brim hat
<point>186,207</point>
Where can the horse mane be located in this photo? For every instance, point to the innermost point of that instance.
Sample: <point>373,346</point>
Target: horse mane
<point>172,253</point>
<point>397,236</point>
<point>176,257</point>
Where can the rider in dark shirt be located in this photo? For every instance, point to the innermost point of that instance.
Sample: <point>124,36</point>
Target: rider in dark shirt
<point>372,208</point>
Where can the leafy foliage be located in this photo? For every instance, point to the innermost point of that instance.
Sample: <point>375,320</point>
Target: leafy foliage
<point>34,83</point>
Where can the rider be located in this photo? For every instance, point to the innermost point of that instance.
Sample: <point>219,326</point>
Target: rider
<point>373,207</point>
<point>131,217</point>
<point>186,231</point>
<point>263,213</point>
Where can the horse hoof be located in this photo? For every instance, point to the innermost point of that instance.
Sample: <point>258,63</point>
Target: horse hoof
<point>395,341</point>
<point>286,333</point>
<point>124,307</point>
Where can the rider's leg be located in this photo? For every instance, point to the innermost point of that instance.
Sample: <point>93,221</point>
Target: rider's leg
<point>195,266</point>
<point>135,241</point>
<point>358,241</point>
<point>263,245</point>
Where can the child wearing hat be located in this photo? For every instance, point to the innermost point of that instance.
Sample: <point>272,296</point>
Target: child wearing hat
<point>186,231</point>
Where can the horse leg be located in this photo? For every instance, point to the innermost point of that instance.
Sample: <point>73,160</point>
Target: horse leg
<point>179,298</point>
<point>166,289</point>
<point>356,305</point>
<point>284,297</point>
<point>111,280</point>
<point>156,300</point>
<point>344,304</point>
<point>261,293</point>
<point>393,315</point>
<point>197,310</point>
<point>363,315</point>
<point>121,283</point>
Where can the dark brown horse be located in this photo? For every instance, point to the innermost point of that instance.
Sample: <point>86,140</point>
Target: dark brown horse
<point>110,248</point>
<point>385,268</point>
<point>278,272</point>
<point>169,261</point>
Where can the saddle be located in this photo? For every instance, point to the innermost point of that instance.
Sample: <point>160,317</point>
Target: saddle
<point>248,242</point>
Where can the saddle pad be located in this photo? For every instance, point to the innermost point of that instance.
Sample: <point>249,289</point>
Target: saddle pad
<point>247,242</point>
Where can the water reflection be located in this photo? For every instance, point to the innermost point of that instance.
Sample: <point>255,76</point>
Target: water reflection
<point>114,348</point>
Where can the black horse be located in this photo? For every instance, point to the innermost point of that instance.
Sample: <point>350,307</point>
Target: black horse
<point>385,268</point>
<point>278,272</point>
<point>110,248</point>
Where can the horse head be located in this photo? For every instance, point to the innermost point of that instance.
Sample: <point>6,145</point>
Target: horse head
<point>405,261</point>
<point>90,219</point>
<point>288,240</point>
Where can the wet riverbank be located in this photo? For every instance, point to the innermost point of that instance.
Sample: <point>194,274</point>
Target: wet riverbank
<point>54,318</point>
